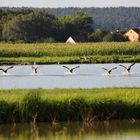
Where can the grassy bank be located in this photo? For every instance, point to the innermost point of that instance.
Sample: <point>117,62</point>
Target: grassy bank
<point>69,105</point>
<point>70,60</point>
<point>69,53</point>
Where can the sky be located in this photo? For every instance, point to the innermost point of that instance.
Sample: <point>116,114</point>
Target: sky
<point>69,3</point>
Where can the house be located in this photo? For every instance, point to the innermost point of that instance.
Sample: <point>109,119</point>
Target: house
<point>133,34</point>
<point>74,39</point>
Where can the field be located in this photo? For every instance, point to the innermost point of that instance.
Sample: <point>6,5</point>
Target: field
<point>55,105</point>
<point>55,53</point>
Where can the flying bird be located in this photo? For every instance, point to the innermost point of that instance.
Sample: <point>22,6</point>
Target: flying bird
<point>127,69</point>
<point>71,70</point>
<point>109,70</point>
<point>6,70</point>
<point>34,70</point>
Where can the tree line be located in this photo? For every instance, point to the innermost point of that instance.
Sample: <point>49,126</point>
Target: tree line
<point>29,25</point>
<point>107,18</point>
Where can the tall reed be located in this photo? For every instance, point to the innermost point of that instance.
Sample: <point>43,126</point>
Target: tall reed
<point>57,105</point>
<point>63,49</point>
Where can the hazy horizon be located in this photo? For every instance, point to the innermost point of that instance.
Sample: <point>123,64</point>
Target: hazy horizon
<point>69,3</point>
<point>68,7</point>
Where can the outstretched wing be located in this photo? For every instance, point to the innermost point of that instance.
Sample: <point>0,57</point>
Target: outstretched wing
<point>104,68</point>
<point>9,68</point>
<point>131,66</point>
<point>123,66</point>
<point>66,67</point>
<point>113,68</point>
<point>34,67</point>
<point>2,69</point>
<point>74,68</point>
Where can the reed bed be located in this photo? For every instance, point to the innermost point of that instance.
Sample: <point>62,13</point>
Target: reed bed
<point>55,53</point>
<point>70,60</point>
<point>56,105</point>
<point>63,49</point>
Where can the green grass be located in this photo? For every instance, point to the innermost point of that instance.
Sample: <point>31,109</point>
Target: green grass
<point>51,53</point>
<point>63,49</point>
<point>70,60</point>
<point>53,105</point>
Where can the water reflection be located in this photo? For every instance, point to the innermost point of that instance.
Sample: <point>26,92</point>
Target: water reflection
<point>120,130</point>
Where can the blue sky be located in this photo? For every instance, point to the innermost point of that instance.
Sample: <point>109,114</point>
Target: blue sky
<point>69,3</point>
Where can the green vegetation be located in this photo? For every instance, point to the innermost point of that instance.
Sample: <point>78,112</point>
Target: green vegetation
<point>100,35</point>
<point>38,25</point>
<point>102,17</point>
<point>46,25</point>
<point>107,17</point>
<point>54,105</point>
<point>54,53</point>
<point>31,26</point>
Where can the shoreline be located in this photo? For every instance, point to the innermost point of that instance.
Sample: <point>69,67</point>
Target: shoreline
<point>69,60</point>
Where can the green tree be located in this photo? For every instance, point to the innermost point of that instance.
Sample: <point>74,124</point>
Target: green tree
<point>83,24</point>
<point>98,35</point>
<point>30,27</point>
<point>65,28</point>
<point>0,33</point>
<point>1,14</point>
<point>114,37</point>
<point>79,24</point>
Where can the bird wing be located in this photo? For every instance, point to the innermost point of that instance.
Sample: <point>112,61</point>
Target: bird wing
<point>113,68</point>
<point>131,66</point>
<point>34,67</point>
<point>66,67</point>
<point>9,68</point>
<point>104,68</point>
<point>123,66</point>
<point>74,68</point>
<point>2,69</point>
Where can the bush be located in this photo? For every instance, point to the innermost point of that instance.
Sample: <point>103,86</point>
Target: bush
<point>114,37</point>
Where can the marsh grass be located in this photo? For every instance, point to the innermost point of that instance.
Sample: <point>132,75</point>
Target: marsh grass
<point>69,60</point>
<point>63,49</point>
<point>53,53</point>
<point>57,105</point>
<point>30,106</point>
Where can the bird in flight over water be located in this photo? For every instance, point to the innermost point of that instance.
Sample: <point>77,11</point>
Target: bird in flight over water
<point>34,70</point>
<point>109,70</point>
<point>127,69</point>
<point>71,69</point>
<point>6,70</point>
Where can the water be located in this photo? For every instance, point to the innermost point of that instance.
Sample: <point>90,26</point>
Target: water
<point>56,76</point>
<point>116,130</point>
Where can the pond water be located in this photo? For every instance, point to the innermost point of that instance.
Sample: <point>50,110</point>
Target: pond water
<point>56,76</point>
<point>116,130</point>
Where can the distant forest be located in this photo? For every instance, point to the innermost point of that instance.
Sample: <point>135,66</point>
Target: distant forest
<point>57,24</point>
<point>107,18</point>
